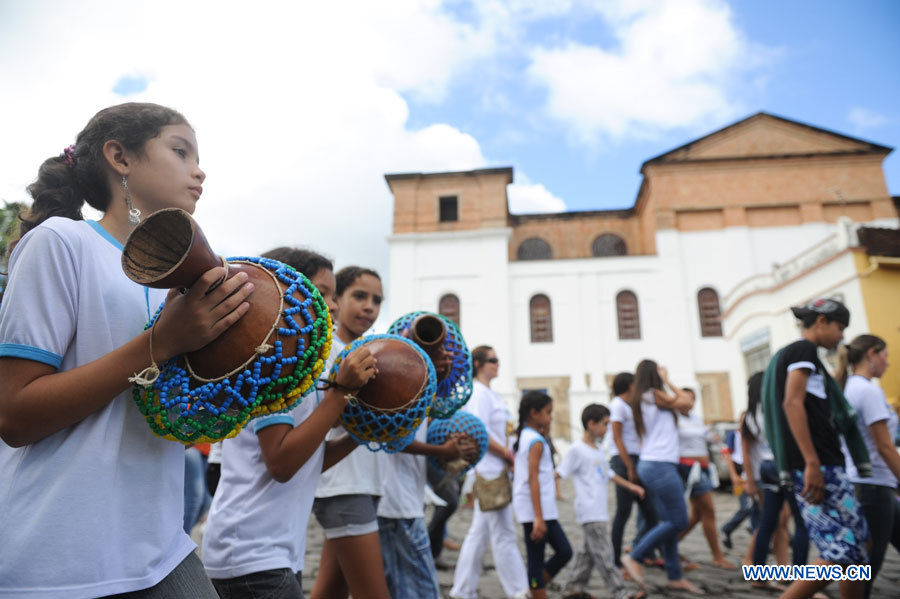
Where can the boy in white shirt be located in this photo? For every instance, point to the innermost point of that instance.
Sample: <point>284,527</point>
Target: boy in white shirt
<point>586,464</point>
<point>405,546</point>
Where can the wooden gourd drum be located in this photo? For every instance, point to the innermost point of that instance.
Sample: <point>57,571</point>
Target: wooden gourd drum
<point>442,341</point>
<point>386,413</point>
<point>264,363</point>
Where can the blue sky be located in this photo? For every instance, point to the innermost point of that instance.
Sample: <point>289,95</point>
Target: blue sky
<point>829,63</point>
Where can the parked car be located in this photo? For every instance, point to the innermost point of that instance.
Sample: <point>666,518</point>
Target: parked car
<point>718,432</point>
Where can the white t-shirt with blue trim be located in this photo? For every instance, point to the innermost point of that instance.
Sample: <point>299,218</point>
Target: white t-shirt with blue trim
<point>256,523</point>
<point>522,507</point>
<point>96,508</point>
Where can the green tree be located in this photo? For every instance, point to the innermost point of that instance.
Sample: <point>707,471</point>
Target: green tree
<point>9,230</point>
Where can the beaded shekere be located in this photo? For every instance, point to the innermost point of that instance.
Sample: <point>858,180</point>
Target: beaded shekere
<point>379,429</point>
<point>461,422</point>
<point>456,389</point>
<point>182,406</point>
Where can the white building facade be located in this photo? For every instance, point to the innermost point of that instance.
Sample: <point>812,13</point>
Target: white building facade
<point>569,300</point>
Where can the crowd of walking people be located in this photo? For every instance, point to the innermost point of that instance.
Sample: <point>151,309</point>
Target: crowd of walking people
<point>93,501</point>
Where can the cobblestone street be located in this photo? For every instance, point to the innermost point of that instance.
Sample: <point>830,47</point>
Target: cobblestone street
<point>716,582</point>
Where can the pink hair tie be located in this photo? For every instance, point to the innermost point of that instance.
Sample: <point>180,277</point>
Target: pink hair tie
<point>69,156</point>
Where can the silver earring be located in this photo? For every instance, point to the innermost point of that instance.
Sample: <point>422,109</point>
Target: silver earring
<point>134,215</point>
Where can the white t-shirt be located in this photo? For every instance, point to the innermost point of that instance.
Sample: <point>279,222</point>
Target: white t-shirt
<point>588,469</point>
<point>692,436</point>
<point>256,523</point>
<point>362,471</point>
<point>404,496</point>
<point>620,411</point>
<point>871,406</point>
<point>96,508</point>
<point>522,507</point>
<point>660,442</point>
<point>737,454</point>
<point>491,410</point>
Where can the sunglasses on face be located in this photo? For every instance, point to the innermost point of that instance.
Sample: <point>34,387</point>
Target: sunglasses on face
<point>492,360</point>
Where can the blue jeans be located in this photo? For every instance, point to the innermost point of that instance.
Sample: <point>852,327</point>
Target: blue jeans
<point>408,565</point>
<point>773,500</point>
<point>663,484</point>
<point>187,581</point>
<point>748,507</point>
<point>196,495</point>
<point>534,553</point>
<point>625,499</point>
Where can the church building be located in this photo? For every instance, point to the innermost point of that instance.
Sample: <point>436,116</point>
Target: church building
<point>570,299</point>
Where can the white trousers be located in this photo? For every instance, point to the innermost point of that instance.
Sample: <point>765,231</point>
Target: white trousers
<point>496,526</point>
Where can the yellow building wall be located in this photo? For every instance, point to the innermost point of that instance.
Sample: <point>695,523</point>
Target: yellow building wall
<point>880,285</point>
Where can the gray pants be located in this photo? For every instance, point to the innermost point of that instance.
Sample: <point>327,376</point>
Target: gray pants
<point>596,551</point>
<point>187,581</point>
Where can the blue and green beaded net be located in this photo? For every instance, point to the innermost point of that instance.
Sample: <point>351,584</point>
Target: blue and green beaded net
<point>179,407</point>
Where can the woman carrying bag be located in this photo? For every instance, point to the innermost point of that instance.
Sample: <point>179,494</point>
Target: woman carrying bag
<point>492,518</point>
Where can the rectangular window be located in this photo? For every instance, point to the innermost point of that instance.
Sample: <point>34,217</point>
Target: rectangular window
<point>449,212</point>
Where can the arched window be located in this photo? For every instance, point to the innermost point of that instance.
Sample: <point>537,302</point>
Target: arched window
<point>708,304</point>
<point>449,307</point>
<point>629,318</point>
<point>541,319</point>
<point>608,244</point>
<point>534,248</point>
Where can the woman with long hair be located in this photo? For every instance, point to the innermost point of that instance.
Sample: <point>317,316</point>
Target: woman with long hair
<point>495,525</point>
<point>655,421</point>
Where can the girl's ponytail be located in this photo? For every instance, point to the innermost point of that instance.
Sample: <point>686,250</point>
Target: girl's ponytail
<point>54,192</point>
<point>843,365</point>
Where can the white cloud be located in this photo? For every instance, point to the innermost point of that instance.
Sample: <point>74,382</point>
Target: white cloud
<point>530,198</point>
<point>863,118</point>
<point>297,106</point>
<point>672,67</point>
